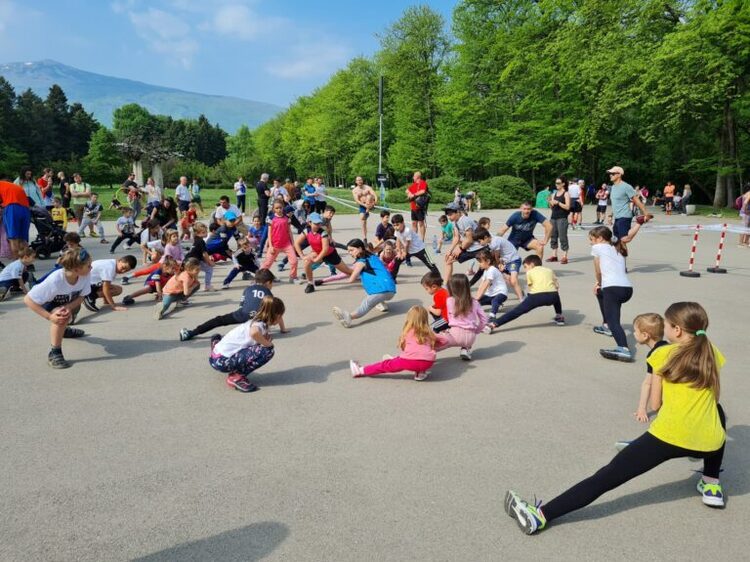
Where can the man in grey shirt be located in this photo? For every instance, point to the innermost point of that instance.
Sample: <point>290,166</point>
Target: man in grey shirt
<point>622,195</point>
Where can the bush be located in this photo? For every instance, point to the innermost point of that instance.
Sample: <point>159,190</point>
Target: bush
<point>501,192</point>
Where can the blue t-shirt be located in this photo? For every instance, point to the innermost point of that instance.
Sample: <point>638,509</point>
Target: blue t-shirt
<point>375,277</point>
<point>250,302</point>
<point>621,195</point>
<point>521,228</point>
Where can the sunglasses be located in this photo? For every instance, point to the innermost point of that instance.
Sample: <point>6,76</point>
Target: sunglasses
<point>614,173</point>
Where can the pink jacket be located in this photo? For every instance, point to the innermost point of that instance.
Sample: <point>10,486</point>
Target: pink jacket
<point>415,350</point>
<point>474,321</point>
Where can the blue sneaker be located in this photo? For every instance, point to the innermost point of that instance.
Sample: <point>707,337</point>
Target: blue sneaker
<point>529,517</point>
<point>603,331</point>
<point>713,494</point>
<point>618,354</point>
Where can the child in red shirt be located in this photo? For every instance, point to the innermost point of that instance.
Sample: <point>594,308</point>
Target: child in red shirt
<point>280,240</point>
<point>433,284</point>
<point>187,222</point>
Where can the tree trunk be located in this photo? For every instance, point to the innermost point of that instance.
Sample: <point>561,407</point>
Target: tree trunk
<point>731,135</point>
<point>533,180</point>
<point>720,193</point>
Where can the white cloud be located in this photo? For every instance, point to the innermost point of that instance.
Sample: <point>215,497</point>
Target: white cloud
<point>166,34</point>
<point>241,22</point>
<point>312,60</point>
<point>122,6</point>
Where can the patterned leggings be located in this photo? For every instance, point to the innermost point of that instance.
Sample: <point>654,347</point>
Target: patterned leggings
<point>245,361</point>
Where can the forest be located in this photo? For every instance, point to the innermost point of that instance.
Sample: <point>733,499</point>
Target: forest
<point>523,88</point>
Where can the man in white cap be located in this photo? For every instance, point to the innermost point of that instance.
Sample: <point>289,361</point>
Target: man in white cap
<point>622,194</point>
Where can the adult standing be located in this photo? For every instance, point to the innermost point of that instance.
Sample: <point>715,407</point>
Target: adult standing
<point>80,193</point>
<point>687,193</point>
<point>521,225</point>
<point>622,195</point>
<point>182,193</point>
<point>279,191</point>
<point>45,186</point>
<point>575,191</point>
<point>364,196</point>
<point>152,191</point>
<point>195,195</point>
<point>133,194</point>
<point>16,215</point>
<point>320,195</point>
<point>263,194</point>
<point>418,198</point>
<point>240,191</point>
<point>26,180</point>
<point>561,204</point>
<point>542,198</point>
<point>64,190</point>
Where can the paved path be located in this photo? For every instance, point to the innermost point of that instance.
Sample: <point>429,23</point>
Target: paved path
<point>141,452</point>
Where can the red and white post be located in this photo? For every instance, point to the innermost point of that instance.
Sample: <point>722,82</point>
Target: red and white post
<point>717,268</point>
<point>690,272</point>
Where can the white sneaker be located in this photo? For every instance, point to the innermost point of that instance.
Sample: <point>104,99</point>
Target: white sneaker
<point>356,369</point>
<point>342,316</point>
<point>487,329</point>
<point>465,354</point>
<point>421,376</point>
<point>382,307</point>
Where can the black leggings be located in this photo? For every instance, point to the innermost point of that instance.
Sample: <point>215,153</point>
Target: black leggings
<point>639,457</point>
<point>532,301</point>
<point>131,238</point>
<point>611,300</point>
<point>217,322</point>
<point>421,255</point>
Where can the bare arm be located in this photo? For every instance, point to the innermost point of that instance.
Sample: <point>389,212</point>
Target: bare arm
<point>258,336</point>
<point>356,272</point>
<point>654,398</point>
<point>641,414</point>
<point>483,286</point>
<point>503,229</point>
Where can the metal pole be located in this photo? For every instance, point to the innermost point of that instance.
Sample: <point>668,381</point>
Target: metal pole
<point>380,131</point>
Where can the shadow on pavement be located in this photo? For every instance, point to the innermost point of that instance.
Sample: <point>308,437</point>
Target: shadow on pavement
<point>249,543</point>
<point>123,348</point>
<point>299,375</point>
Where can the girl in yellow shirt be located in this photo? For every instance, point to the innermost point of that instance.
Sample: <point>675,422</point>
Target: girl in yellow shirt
<point>690,423</point>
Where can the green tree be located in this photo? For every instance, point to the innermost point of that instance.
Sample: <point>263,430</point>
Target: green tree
<point>104,163</point>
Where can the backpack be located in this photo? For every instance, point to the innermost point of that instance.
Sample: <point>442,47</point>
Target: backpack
<point>423,200</point>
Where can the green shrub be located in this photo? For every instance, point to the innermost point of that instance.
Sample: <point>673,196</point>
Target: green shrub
<point>501,192</point>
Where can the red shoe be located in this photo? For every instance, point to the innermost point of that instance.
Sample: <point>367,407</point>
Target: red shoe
<point>564,261</point>
<point>552,259</point>
<point>239,382</point>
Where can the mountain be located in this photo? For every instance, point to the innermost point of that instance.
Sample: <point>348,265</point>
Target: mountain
<point>103,94</point>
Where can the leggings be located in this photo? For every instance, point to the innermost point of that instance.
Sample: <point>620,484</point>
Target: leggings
<point>208,273</point>
<point>245,361</point>
<point>370,301</point>
<point>640,456</point>
<point>532,301</point>
<point>239,269</point>
<point>219,321</point>
<point>131,238</point>
<point>421,255</point>
<point>495,301</point>
<point>290,253</point>
<point>396,365</point>
<point>611,300</point>
<point>559,230</point>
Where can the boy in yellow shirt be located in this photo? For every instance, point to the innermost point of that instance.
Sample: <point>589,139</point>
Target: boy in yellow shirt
<point>59,214</point>
<point>542,291</point>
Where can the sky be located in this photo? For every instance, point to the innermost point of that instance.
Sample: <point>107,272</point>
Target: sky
<point>272,51</point>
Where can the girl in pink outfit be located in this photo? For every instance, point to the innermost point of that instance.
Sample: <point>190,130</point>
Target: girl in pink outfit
<point>417,344</point>
<point>172,247</point>
<point>465,317</point>
<point>280,240</point>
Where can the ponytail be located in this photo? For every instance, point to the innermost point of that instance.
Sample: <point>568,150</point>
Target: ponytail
<point>605,234</point>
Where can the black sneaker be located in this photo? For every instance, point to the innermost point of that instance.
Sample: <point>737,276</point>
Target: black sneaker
<point>89,301</point>
<point>247,276</point>
<point>73,333</point>
<point>318,282</point>
<point>310,288</point>
<point>186,335</point>
<point>126,280</point>
<point>128,301</point>
<point>57,361</point>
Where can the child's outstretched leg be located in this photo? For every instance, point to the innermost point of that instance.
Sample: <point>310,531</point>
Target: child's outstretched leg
<point>392,365</point>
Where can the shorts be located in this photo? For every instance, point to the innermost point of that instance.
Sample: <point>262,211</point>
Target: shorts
<point>621,227</point>
<point>513,267</point>
<point>575,206</point>
<point>601,207</point>
<point>183,206</point>
<point>60,300</point>
<point>17,221</point>
<point>522,243</point>
<point>418,215</point>
<point>363,211</point>
<point>668,200</point>
<point>95,288</point>
<point>332,259</point>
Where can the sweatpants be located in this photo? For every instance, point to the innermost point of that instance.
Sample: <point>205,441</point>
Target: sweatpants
<point>245,361</point>
<point>559,231</point>
<point>230,319</point>
<point>638,457</point>
<point>86,222</point>
<point>421,255</point>
<point>456,337</point>
<point>396,365</point>
<point>290,253</point>
<point>495,301</point>
<point>532,301</point>
<point>439,324</point>
<point>370,301</point>
<point>131,238</point>
<point>611,300</point>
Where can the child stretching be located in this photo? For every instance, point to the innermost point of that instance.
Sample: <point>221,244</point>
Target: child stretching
<point>16,274</point>
<point>690,423</point>
<point>492,289</point>
<point>255,233</point>
<point>155,281</point>
<point>543,291</point>
<point>125,226</point>
<point>322,250</point>
<point>187,221</point>
<point>244,262</point>
<point>417,345</point>
<point>58,299</point>
<point>103,274</point>
<point>247,347</point>
<point>506,253</point>
<point>172,248</point>
<point>446,232</point>
<point>199,252</point>
<point>409,244</point>
<point>280,240</point>
<point>252,296</point>
<point>433,284</point>
<point>179,288</point>
<point>648,330</point>
<point>465,317</point>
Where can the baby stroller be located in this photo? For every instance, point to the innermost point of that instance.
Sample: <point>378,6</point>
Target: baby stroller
<point>49,238</point>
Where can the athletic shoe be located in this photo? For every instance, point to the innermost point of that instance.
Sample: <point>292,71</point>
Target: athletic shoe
<point>603,330</point>
<point>713,494</point>
<point>126,280</point>
<point>111,252</point>
<point>564,261</point>
<point>184,302</point>
<point>342,316</point>
<point>72,333</point>
<point>160,312</point>
<point>246,276</point>
<point>89,301</point>
<point>620,445</point>
<point>128,245</point>
<point>186,335</point>
<point>465,354</point>
<point>280,267</point>
<point>617,353</point>
<point>4,293</point>
<point>421,376</point>
<point>488,329</point>
<point>57,361</point>
<point>239,382</point>
<point>127,301</point>
<point>382,306</point>
<point>224,287</point>
<point>553,258</point>
<point>209,289</point>
<point>103,241</point>
<point>355,369</point>
<point>560,320</point>
<point>318,282</point>
<point>529,517</point>
<point>408,263</point>
<point>93,235</point>
<point>310,288</point>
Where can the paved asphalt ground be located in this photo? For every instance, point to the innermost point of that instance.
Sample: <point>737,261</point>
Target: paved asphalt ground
<point>140,451</point>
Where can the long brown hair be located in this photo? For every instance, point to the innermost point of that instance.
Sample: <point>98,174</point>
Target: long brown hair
<point>270,311</point>
<point>417,321</point>
<point>692,362</point>
<point>459,289</point>
<point>605,234</point>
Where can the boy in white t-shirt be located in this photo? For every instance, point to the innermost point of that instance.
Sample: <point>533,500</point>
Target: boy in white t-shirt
<point>15,276</point>
<point>409,244</point>
<point>103,273</point>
